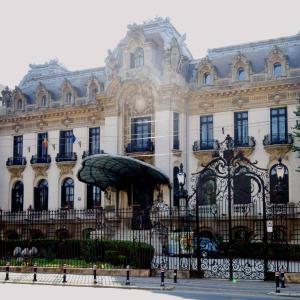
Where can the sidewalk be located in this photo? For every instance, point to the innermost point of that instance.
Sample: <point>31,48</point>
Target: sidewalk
<point>153,283</point>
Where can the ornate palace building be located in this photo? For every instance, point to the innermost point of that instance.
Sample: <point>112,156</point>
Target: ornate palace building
<point>154,102</point>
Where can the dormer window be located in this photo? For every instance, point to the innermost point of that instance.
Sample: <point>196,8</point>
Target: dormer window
<point>277,70</point>
<point>101,87</point>
<point>93,90</point>
<point>68,98</point>
<point>241,74</point>
<point>19,105</point>
<point>137,58</point>
<point>207,79</point>
<point>44,101</point>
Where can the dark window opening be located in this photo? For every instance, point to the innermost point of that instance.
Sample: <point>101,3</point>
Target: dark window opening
<point>241,128</point>
<point>279,189</point>
<point>41,196</point>
<point>67,193</point>
<point>93,196</point>
<point>141,133</point>
<point>94,140</point>
<point>17,195</point>
<point>241,187</point>
<point>278,125</point>
<point>176,131</point>
<point>206,132</point>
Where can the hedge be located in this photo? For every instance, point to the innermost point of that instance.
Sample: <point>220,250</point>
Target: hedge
<point>116,253</point>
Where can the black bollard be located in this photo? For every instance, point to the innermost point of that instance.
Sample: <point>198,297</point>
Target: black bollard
<point>282,278</point>
<point>277,290</point>
<point>34,272</point>
<point>162,276</point>
<point>7,271</point>
<point>127,276</point>
<point>65,274</point>
<point>175,276</point>
<point>95,273</point>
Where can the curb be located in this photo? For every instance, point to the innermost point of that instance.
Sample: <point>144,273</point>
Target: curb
<point>292,295</point>
<point>126,287</point>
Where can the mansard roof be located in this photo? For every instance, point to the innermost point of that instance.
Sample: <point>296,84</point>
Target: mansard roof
<point>52,75</point>
<point>256,53</point>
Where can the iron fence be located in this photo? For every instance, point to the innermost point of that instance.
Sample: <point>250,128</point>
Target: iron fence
<point>151,238</point>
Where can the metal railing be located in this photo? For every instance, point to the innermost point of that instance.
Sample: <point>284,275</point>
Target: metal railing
<point>207,145</point>
<point>40,159</point>
<point>16,161</point>
<point>61,157</point>
<point>135,147</point>
<point>249,142</point>
<point>269,140</point>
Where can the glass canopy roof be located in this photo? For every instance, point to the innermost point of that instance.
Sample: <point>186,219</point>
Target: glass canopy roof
<point>106,170</point>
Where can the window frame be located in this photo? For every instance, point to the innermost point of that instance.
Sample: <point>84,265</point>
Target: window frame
<point>241,124</point>
<point>176,125</point>
<point>275,73</point>
<point>141,143</point>
<point>67,193</point>
<point>278,140</point>
<point>241,74</point>
<point>66,143</point>
<point>94,140</point>
<point>205,122</point>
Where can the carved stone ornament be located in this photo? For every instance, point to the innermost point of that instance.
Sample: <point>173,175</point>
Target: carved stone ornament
<point>67,121</point>
<point>40,170</point>
<point>239,102</point>
<point>66,167</point>
<point>276,151</point>
<point>205,106</point>
<point>204,156</point>
<point>17,127</point>
<point>41,124</point>
<point>16,171</point>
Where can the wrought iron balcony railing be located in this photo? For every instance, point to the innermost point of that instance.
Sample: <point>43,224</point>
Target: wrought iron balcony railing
<point>269,140</point>
<point>134,147</point>
<point>40,159</point>
<point>249,142</point>
<point>89,153</point>
<point>61,157</point>
<point>16,161</point>
<point>209,145</point>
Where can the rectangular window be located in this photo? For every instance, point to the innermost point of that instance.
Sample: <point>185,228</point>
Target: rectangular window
<point>94,140</point>
<point>66,143</point>
<point>206,132</point>
<point>42,145</point>
<point>241,129</point>
<point>18,146</point>
<point>141,133</point>
<point>176,131</point>
<point>278,125</point>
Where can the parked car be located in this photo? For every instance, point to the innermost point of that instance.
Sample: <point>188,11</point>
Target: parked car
<point>208,247</point>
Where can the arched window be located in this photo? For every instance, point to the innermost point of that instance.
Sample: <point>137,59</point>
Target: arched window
<point>44,101</point>
<point>17,195</point>
<point>93,90</point>
<point>41,196</point>
<point>207,79</point>
<point>93,196</point>
<point>137,58</point>
<point>277,70</point>
<point>206,188</point>
<point>241,187</point>
<point>175,186</point>
<point>69,98</point>
<point>241,74</point>
<point>279,189</point>
<point>67,193</point>
<point>101,87</point>
<point>19,104</point>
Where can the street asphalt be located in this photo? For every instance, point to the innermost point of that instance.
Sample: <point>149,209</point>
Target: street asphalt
<point>142,286</point>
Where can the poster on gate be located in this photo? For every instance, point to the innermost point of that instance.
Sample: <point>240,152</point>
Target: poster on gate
<point>180,243</point>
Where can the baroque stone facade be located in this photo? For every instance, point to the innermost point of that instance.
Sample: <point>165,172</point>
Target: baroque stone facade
<point>151,75</point>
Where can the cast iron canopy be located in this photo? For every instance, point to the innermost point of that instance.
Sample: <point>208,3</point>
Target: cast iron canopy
<point>105,170</point>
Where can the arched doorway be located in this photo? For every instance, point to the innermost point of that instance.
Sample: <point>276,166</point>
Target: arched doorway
<point>276,195</point>
<point>67,193</point>
<point>41,196</point>
<point>17,195</point>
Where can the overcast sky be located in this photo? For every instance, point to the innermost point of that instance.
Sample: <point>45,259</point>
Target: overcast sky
<point>79,32</point>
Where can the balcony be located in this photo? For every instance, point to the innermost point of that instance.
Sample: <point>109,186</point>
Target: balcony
<point>66,157</point>
<point>89,153</point>
<point>247,146</point>
<point>16,161</point>
<point>278,147</point>
<point>40,159</point>
<point>204,151</point>
<point>16,165</point>
<point>134,147</point>
<point>142,152</point>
